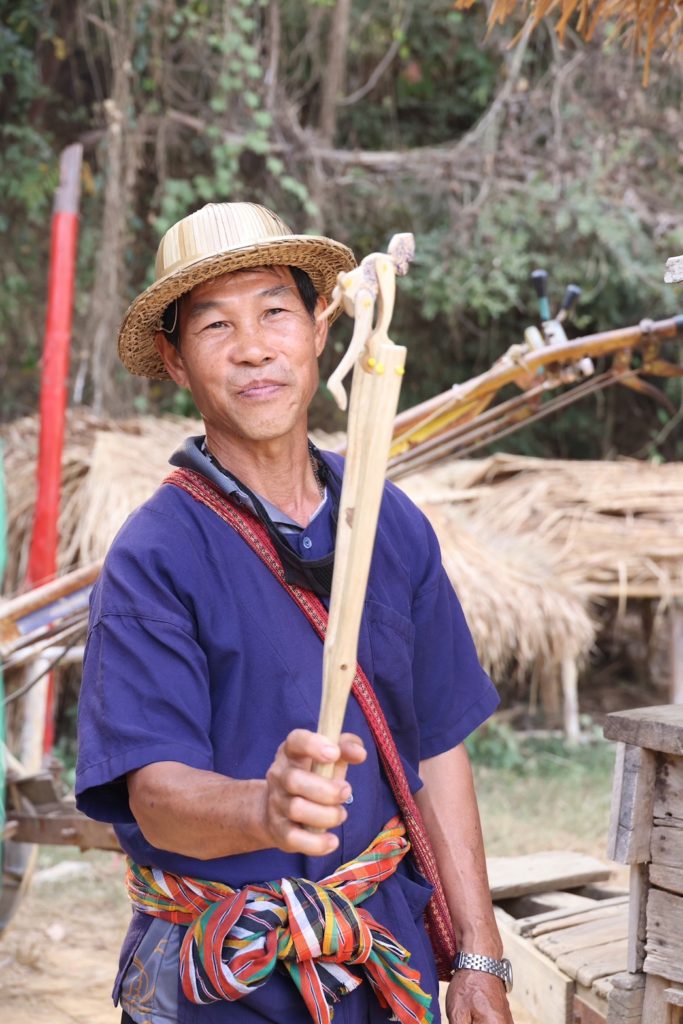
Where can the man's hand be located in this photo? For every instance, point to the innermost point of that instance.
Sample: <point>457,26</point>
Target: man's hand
<point>475,997</point>
<point>299,807</point>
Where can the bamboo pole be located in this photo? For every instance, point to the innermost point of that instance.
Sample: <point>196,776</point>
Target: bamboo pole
<point>377,380</point>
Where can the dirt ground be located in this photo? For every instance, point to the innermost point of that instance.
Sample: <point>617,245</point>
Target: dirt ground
<point>58,957</point>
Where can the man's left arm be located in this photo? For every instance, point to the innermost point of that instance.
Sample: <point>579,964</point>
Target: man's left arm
<point>448,805</point>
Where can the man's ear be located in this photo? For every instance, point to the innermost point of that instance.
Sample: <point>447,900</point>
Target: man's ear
<point>171,358</point>
<point>322,327</point>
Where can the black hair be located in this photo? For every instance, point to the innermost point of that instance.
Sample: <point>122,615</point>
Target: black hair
<point>170,318</point>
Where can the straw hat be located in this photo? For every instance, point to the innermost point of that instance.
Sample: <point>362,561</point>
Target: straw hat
<point>220,238</point>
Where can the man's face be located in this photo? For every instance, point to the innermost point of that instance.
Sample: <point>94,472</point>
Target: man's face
<point>248,354</point>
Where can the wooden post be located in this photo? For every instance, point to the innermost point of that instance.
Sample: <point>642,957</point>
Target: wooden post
<point>676,650</point>
<point>570,700</point>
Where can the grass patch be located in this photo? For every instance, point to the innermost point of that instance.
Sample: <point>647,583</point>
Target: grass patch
<point>539,793</point>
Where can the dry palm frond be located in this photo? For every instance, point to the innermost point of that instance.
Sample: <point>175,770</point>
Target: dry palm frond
<point>645,24</point>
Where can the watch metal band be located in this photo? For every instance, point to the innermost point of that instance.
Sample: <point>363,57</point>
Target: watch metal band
<point>477,962</point>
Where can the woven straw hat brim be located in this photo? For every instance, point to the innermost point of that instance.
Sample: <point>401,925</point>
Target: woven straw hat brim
<point>321,258</point>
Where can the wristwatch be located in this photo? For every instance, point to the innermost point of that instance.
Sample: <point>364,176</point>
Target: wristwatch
<point>476,962</point>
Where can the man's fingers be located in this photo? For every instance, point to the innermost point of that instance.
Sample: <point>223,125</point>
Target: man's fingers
<point>352,749</point>
<point>311,844</point>
<point>301,744</point>
<point>328,792</point>
<point>313,815</point>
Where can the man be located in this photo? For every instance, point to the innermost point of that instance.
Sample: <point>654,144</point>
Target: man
<point>201,683</point>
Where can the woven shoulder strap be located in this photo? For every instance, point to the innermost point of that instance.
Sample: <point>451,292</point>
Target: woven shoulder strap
<point>438,919</point>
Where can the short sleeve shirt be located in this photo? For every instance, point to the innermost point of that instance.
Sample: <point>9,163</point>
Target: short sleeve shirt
<point>196,654</point>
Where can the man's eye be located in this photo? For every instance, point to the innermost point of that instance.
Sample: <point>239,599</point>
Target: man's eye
<point>274,310</point>
<point>216,325</point>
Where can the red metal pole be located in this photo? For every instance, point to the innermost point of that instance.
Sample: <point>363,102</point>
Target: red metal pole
<point>42,562</point>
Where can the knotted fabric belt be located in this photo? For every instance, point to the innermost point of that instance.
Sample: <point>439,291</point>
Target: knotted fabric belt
<point>235,937</point>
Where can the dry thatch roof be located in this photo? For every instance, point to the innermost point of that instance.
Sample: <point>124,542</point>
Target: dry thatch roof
<point>521,615</point>
<point>646,25</point>
<point>528,543</point>
<point>107,470</point>
<point>612,530</point>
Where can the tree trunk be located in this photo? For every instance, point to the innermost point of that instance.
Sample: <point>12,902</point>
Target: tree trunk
<point>333,82</point>
<point>107,300</point>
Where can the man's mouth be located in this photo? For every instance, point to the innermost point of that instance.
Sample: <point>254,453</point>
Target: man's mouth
<point>261,389</point>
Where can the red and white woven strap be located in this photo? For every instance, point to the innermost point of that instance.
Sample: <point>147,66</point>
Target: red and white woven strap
<point>438,919</point>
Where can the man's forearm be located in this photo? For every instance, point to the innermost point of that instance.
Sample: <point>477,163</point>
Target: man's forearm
<point>206,815</point>
<point>449,807</point>
<point>197,813</point>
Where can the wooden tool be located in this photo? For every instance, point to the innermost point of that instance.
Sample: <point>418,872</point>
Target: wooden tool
<point>377,376</point>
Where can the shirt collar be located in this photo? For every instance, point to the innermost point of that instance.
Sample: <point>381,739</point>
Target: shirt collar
<point>192,454</point>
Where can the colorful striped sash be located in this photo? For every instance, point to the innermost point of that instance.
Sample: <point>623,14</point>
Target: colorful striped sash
<point>236,937</point>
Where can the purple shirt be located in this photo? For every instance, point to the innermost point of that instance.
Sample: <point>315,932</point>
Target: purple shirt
<point>196,654</point>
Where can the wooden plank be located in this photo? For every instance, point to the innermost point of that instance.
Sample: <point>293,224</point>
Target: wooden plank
<point>633,790</point>
<point>540,988</point>
<point>666,877</point>
<point>655,1010</point>
<point>674,996</point>
<point>601,988</point>
<point>666,844</point>
<point>64,830</point>
<point>554,920</point>
<point>586,965</point>
<point>584,936</point>
<point>657,728</point>
<point>38,789</point>
<point>636,917</point>
<point>664,942</point>
<point>669,788</point>
<point>539,872</point>
<point>536,903</point>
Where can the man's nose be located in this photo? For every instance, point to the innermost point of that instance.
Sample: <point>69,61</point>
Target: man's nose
<point>253,346</point>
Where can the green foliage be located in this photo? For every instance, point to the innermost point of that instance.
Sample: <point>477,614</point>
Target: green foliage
<point>496,746</point>
<point>214,114</point>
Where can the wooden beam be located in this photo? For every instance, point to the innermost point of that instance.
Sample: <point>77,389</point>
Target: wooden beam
<point>63,830</point>
<point>637,921</point>
<point>664,946</point>
<point>539,872</point>
<point>633,792</point>
<point>657,728</point>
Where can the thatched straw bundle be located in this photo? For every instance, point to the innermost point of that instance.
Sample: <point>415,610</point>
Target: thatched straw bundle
<point>528,543</point>
<point>107,470</point>
<point>523,616</point>
<point>610,529</point>
<point>645,24</point>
